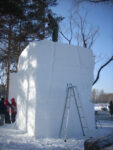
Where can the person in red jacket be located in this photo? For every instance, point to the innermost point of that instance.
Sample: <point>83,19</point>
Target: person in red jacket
<point>7,116</point>
<point>13,110</point>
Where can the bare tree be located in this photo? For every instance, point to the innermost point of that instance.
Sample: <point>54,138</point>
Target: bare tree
<point>92,37</point>
<point>86,34</point>
<point>68,37</point>
<point>101,96</point>
<point>94,97</point>
<point>87,38</point>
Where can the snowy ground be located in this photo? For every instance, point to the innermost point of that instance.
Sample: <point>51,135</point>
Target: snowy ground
<point>13,139</point>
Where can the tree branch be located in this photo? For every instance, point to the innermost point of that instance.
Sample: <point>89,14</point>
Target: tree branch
<point>98,1</point>
<point>92,1</point>
<point>98,74</point>
<point>65,37</point>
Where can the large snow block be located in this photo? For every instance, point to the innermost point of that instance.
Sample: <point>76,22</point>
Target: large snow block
<point>44,69</point>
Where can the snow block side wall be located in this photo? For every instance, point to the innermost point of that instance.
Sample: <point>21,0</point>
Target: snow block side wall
<point>26,97</point>
<point>44,70</point>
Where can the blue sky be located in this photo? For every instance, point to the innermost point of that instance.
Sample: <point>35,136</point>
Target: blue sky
<point>100,15</point>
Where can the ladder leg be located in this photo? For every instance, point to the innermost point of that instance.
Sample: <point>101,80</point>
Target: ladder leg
<point>78,112</point>
<point>67,121</point>
<point>63,113</point>
<point>83,113</point>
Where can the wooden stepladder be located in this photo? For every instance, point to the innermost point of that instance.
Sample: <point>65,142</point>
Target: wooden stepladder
<point>72,92</point>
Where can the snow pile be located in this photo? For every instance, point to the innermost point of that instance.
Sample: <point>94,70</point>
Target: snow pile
<point>44,70</point>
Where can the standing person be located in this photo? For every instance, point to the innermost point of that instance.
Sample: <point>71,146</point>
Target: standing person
<point>2,111</point>
<point>13,110</point>
<point>111,107</point>
<point>7,116</point>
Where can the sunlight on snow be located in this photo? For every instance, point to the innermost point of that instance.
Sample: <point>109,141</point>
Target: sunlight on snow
<point>32,92</point>
<point>31,105</point>
<point>25,65</point>
<point>31,120</point>
<point>24,85</point>
<point>33,44</point>
<point>21,114</point>
<point>33,63</point>
<point>25,52</point>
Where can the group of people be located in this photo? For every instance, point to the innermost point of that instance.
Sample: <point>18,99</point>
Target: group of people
<point>8,110</point>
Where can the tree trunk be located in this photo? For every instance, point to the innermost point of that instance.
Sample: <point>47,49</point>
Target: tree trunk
<point>43,25</point>
<point>8,60</point>
<point>19,48</point>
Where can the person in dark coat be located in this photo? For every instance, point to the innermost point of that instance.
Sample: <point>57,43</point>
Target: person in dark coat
<point>111,108</point>
<point>7,116</point>
<point>2,111</point>
<point>13,110</point>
